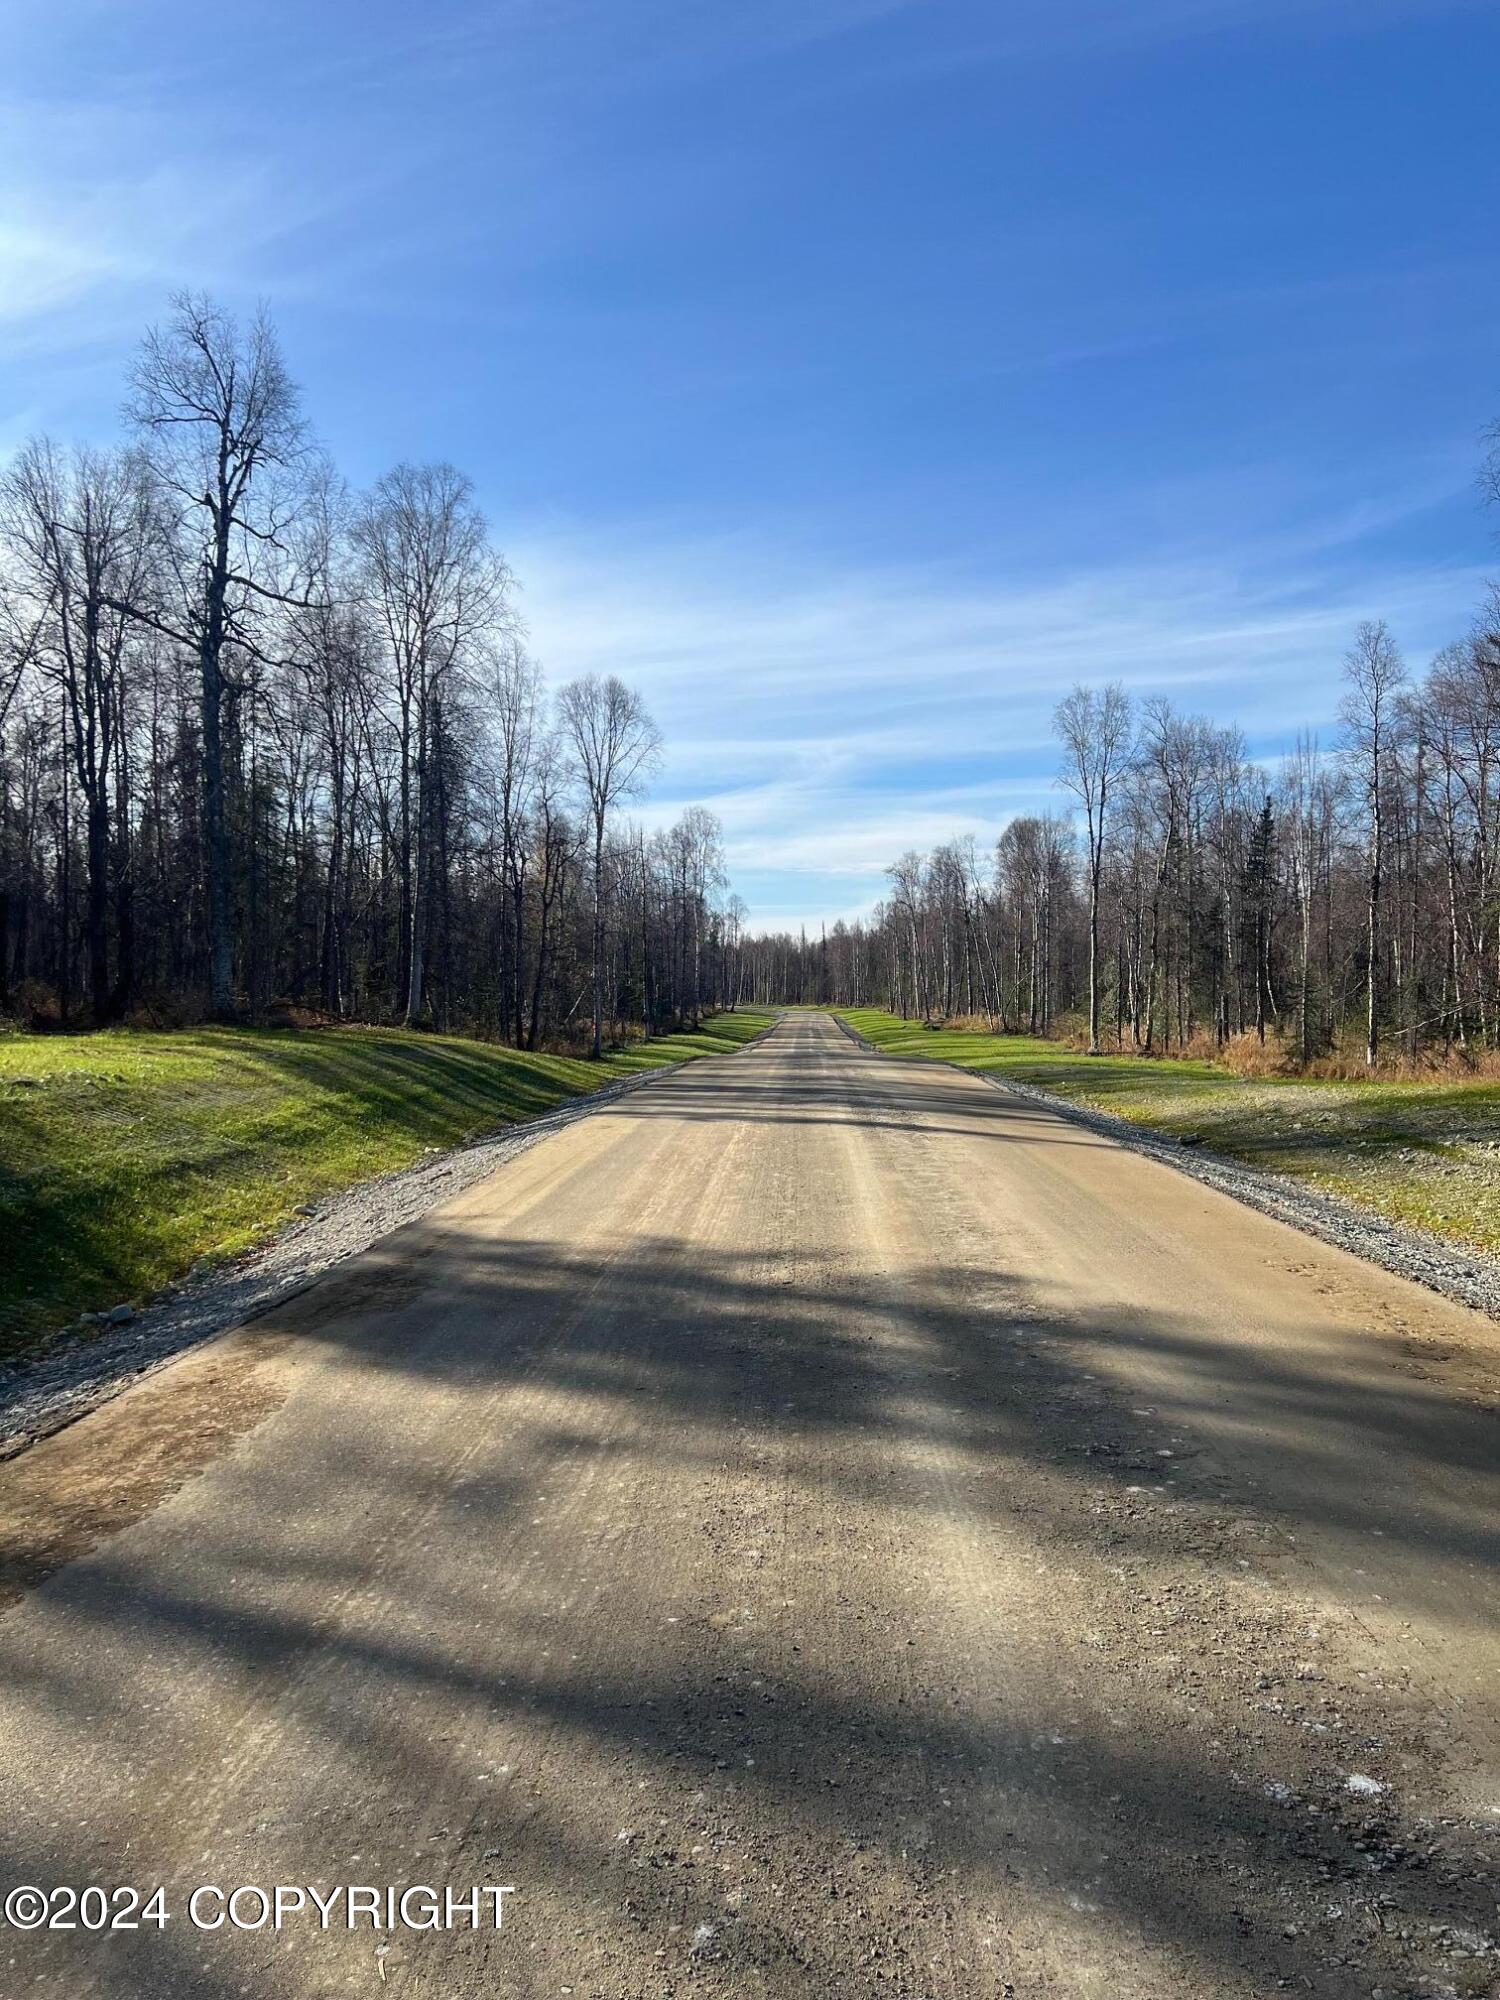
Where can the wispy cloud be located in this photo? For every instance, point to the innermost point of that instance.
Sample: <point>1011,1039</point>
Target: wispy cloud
<point>834,716</point>
<point>107,205</point>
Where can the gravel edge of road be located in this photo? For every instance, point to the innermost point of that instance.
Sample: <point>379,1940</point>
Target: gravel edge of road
<point>1466,1277</point>
<point>76,1373</point>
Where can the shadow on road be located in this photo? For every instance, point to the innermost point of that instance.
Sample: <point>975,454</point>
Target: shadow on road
<point>1134,1723</point>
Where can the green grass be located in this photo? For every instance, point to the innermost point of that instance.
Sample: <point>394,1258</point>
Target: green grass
<point>1416,1151</point>
<point>127,1157</point>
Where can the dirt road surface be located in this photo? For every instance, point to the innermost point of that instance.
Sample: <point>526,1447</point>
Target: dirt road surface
<point>817,1527</point>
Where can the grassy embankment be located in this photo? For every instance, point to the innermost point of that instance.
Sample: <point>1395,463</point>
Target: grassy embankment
<point>1420,1150</point>
<point>125,1157</point>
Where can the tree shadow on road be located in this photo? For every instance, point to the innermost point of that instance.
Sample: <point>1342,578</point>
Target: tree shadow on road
<point>1119,1727</point>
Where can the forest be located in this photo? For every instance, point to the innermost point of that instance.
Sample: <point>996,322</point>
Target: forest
<point>271,748</point>
<point>1342,903</point>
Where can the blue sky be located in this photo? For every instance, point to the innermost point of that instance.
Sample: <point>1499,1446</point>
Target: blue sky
<point>852,375</point>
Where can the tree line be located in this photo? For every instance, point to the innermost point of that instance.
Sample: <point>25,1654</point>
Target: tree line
<point>267,743</point>
<point>1346,898</point>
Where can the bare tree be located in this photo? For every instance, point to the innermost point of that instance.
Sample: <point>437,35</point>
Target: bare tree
<point>80,529</point>
<point>221,417</point>
<point>697,843</point>
<point>438,591</point>
<point>331,646</point>
<point>299,743</point>
<point>905,877</point>
<point>1094,726</point>
<point>1374,676</point>
<point>614,745</point>
<point>1307,811</point>
<point>1460,727</point>
<point>555,847</point>
<point>516,694</point>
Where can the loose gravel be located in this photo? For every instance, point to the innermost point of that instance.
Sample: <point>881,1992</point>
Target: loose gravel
<point>93,1362</point>
<point>1465,1276</point>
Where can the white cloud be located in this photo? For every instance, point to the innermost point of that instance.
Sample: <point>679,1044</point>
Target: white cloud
<point>113,199</point>
<point>833,716</point>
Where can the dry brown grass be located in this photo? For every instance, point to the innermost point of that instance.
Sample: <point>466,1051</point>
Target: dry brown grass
<point>1246,1055</point>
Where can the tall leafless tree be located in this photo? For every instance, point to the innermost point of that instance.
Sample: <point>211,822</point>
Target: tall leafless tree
<point>614,745</point>
<point>80,530</point>
<point>439,591</point>
<point>221,421</point>
<point>1094,726</point>
<point>1374,675</point>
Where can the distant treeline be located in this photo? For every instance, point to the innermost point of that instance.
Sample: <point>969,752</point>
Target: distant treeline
<point>264,741</point>
<point>1347,899</point>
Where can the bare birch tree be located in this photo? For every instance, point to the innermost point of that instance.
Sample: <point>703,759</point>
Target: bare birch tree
<point>438,590</point>
<point>1094,725</point>
<point>614,746</point>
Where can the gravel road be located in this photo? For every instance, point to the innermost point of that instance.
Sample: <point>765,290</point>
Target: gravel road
<point>818,1526</point>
